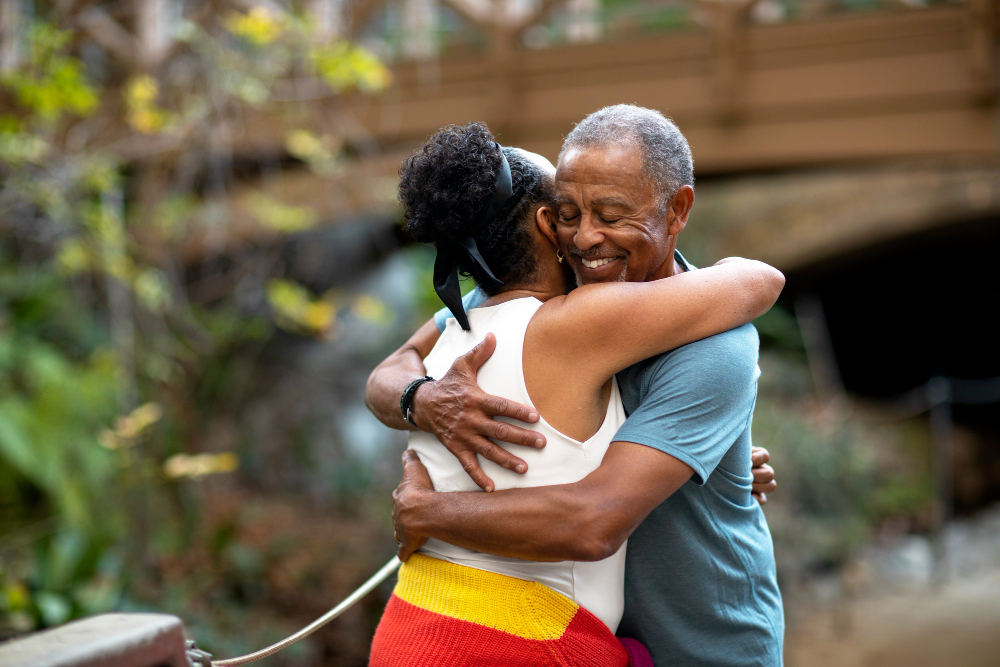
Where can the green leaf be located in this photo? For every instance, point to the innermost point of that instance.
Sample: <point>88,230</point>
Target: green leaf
<point>344,66</point>
<point>54,608</point>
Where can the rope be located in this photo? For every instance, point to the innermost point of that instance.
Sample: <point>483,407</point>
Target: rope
<point>349,602</point>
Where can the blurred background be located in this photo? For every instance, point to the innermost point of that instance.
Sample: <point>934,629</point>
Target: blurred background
<point>201,261</point>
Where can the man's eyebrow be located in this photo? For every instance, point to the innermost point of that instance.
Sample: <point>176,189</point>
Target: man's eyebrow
<point>563,200</point>
<point>611,200</point>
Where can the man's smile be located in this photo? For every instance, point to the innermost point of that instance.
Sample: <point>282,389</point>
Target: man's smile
<point>590,269</point>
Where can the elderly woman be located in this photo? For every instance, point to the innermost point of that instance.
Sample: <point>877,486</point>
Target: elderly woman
<point>489,210</point>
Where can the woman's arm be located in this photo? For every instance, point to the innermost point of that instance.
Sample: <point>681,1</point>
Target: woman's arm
<point>604,328</point>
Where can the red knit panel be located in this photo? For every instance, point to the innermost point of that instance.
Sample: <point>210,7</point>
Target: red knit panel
<point>588,642</point>
<point>408,636</point>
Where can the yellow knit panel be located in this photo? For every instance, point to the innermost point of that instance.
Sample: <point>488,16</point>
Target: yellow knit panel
<point>523,608</point>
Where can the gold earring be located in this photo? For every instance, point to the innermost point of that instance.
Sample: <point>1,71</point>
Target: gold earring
<point>559,256</point>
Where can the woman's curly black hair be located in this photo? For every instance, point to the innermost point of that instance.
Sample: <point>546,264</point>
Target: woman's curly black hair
<point>445,182</point>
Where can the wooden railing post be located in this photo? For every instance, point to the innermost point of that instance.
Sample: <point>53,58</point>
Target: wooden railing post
<point>728,20</point>
<point>122,640</point>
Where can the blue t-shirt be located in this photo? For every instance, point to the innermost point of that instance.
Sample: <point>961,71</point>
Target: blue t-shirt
<point>700,579</point>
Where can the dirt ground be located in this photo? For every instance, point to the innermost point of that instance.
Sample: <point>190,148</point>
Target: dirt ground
<point>955,625</point>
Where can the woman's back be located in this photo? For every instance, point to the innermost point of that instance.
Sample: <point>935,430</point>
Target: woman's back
<point>596,586</point>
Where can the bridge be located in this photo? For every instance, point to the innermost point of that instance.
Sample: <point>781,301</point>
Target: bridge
<point>819,142</point>
<point>886,111</point>
<point>893,114</point>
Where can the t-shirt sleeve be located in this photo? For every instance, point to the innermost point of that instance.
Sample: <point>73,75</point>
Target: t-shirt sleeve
<point>698,399</point>
<point>473,299</point>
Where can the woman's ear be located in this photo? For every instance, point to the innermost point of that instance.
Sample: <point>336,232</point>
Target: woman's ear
<point>545,218</point>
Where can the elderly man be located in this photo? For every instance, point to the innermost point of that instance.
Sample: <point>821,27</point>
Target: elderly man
<point>700,583</point>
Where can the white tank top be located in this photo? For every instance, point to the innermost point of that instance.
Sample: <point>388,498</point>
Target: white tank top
<point>596,586</point>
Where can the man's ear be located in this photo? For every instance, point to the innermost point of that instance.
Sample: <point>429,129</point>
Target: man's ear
<point>680,208</point>
<point>545,219</point>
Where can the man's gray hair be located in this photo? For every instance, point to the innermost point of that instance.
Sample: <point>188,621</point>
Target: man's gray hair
<point>666,156</point>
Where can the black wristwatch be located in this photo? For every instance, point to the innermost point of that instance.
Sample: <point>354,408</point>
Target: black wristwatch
<point>406,400</point>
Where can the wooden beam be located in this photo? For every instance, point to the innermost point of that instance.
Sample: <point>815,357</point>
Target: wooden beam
<point>981,27</point>
<point>729,20</point>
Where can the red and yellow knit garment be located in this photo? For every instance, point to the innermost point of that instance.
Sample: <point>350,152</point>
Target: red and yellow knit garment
<point>446,615</point>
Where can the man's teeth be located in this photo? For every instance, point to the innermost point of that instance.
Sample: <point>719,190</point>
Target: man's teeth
<point>594,263</point>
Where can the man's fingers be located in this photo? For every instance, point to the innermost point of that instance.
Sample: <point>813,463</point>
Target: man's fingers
<point>414,471</point>
<point>471,467</point>
<point>493,452</point>
<point>515,435</point>
<point>761,498</point>
<point>759,456</point>
<point>478,355</point>
<point>408,547</point>
<point>763,474</point>
<point>502,407</point>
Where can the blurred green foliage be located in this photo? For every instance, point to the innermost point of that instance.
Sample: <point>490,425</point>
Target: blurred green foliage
<point>109,364</point>
<point>51,83</point>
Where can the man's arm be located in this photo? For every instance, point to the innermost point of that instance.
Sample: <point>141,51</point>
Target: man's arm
<point>587,520</point>
<point>453,407</point>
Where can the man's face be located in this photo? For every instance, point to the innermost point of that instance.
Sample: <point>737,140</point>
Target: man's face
<point>609,226</point>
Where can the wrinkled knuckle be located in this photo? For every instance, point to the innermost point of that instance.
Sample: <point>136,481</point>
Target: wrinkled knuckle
<point>501,405</point>
<point>502,430</point>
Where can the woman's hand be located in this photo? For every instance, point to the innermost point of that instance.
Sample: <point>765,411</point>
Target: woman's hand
<point>461,415</point>
<point>763,474</point>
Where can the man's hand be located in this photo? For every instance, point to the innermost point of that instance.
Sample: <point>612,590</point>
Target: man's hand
<point>763,474</point>
<point>461,415</point>
<point>407,497</point>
